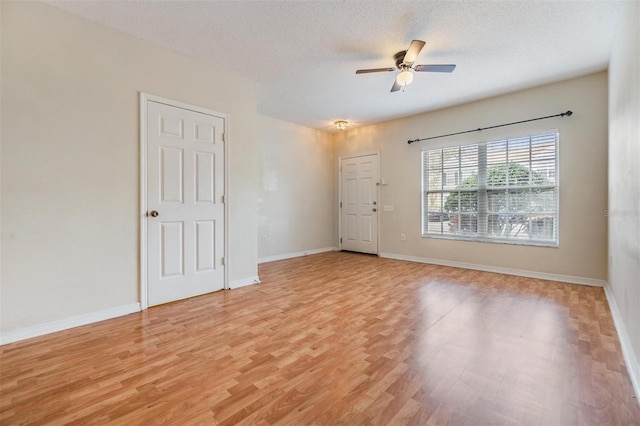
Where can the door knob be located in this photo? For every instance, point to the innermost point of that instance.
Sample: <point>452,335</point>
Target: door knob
<point>154,213</point>
<point>375,210</point>
<point>375,202</point>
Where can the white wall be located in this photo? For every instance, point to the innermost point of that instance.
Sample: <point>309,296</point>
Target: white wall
<point>70,162</point>
<point>624,184</point>
<point>297,191</point>
<point>583,176</point>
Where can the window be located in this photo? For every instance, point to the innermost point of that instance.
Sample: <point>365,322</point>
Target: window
<point>500,191</point>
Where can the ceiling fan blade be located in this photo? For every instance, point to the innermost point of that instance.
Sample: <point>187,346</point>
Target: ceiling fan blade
<point>435,68</point>
<point>413,52</point>
<point>366,71</point>
<point>395,86</point>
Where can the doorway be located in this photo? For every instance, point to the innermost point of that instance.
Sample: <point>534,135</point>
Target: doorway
<point>183,187</point>
<point>359,203</point>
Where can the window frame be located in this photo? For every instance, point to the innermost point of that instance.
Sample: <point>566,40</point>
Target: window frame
<point>484,238</point>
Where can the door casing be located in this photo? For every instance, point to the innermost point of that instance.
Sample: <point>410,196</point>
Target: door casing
<point>142,214</point>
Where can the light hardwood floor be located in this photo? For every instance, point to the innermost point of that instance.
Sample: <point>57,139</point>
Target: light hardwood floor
<point>336,338</point>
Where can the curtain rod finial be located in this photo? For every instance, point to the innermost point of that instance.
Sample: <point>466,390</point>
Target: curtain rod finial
<point>568,113</point>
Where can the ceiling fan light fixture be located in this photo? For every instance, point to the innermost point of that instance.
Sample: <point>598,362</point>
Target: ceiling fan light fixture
<point>341,125</point>
<point>405,63</point>
<point>405,77</point>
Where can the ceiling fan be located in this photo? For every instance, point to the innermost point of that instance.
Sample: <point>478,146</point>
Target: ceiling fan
<point>404,62</point>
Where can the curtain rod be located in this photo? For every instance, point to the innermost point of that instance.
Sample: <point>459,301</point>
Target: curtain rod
<point>568,114</point>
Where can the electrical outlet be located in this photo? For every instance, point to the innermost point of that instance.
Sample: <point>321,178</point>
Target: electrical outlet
<point>403,237</point>
<point>264,238</point>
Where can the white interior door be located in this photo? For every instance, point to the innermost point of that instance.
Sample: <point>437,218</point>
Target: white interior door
<point>359,203</point>
<point>185,214</point>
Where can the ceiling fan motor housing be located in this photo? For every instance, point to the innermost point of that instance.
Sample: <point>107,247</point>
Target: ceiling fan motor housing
<point>399,57</point>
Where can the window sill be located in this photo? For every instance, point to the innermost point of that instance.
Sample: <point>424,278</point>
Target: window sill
<point>531,243</point>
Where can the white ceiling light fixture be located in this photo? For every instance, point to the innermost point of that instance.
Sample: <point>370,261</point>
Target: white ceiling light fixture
<point>405,78</point>
<point>341,125</point>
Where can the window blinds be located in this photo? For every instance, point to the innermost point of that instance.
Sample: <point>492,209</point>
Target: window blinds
<point>503,191</point>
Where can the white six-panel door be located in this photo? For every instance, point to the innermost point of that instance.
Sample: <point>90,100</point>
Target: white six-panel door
<point>359,204</point>
<point>185,203</point>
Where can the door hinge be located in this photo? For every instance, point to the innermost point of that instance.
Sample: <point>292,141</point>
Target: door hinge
<point>340,240</point>
<point>222,201</point>
<point>223,137</point>
<point>340,204</point>
<point>222,261</point>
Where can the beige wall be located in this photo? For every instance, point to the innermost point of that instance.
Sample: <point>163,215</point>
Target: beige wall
<point>296,194</point>
<point>624,180</point>
<point>583,175</point>
<point>70,162</point>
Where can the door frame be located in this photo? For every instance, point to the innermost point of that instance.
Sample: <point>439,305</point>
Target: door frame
<point>344,157</point>
<point>142,214</point>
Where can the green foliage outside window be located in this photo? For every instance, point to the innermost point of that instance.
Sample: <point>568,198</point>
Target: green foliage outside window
<point>467,199</point>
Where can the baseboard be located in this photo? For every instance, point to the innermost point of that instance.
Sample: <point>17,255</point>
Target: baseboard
<point>244,282</point>
<point>633,367</point>
<point>295,254</point>
<point>66,323</point>
<point>499,270</point>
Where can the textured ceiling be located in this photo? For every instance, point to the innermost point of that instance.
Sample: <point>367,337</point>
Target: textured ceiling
<point>303,54</point>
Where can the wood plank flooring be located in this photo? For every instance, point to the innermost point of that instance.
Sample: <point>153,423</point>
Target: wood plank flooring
<point>336,338</point>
